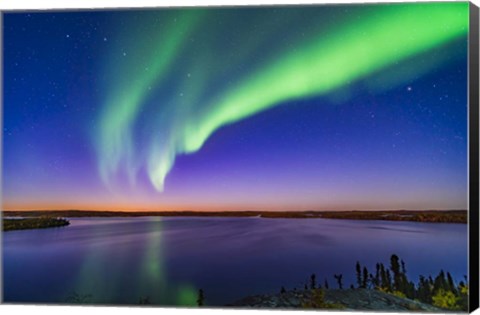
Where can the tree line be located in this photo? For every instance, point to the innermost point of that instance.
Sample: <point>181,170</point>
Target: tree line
<point>440,291</point>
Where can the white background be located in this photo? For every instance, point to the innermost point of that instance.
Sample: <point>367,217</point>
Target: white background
<point>75,4</point>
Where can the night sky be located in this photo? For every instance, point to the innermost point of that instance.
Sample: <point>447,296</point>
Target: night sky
<point>274,108</point>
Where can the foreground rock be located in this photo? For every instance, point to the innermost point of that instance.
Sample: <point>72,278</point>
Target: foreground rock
<point>353,299</point>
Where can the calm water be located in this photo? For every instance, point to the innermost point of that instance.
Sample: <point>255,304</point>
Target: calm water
<point>120,260</point>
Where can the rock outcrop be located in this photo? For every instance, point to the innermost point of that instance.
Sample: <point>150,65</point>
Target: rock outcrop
<point>352,299</point>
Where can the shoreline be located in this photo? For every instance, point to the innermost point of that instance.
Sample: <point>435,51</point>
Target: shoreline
<point>33,223</point>
<point>426,216</point>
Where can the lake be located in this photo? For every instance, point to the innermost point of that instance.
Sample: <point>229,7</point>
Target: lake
<point>167,259</point>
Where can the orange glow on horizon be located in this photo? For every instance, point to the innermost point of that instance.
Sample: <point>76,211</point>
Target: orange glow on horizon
<point>6,206</point>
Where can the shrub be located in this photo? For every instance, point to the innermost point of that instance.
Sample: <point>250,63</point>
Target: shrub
<point>317,300</point>
<point>445,299</point>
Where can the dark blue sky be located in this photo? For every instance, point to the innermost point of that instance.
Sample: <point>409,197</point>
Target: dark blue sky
<point>400,144</point>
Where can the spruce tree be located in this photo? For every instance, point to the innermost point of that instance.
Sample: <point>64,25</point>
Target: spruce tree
<point>201,298</point>
<point>397,276</point>
<point>365,278</point>
<point>358,270</point>
<point>383,278</point>
<point>339,280</point>
<point>389,281</point>
<point>451,284</point>
<point>313,282</point>
<point>376,279</point>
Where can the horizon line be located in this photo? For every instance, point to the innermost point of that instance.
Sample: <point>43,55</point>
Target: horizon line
<point>231,211</point>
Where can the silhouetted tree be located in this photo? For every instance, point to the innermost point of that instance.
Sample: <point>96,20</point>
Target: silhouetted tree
<point>326,284</point>
<point>358,270</point>
<point>389,281</point>
<point>365,278</point>
<point>383,278</point>
<point>424,293</point>
<point>404,270</point>
<point>282,290</point>
<point>451,283</point>
<point>411,292</point>
<point>397,274</point>
<point>339,280</point>
<point>371,281</point>
<point>201,298</point>
<point>430,280</point>
<point>376,279</point>
<point>313,281</point>
<point>440,282</point>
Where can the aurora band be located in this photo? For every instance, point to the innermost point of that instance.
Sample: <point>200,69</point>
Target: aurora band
<point>380,38</point>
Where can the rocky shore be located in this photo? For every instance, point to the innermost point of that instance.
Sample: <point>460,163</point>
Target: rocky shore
<point>352,299</point>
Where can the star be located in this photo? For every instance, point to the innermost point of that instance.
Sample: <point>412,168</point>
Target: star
<point>409,88</point>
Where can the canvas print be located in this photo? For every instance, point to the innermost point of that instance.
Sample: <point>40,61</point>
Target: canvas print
<point>292,157</point>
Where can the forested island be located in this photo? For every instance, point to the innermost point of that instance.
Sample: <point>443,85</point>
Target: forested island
<point>33,223</point>
<point>432,216</point>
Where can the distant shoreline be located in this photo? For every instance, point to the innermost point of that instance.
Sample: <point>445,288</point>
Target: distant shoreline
<point>430,216</point>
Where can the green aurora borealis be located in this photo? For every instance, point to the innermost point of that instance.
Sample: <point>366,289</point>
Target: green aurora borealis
<point>353,49</point>
<point>232,108</point>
